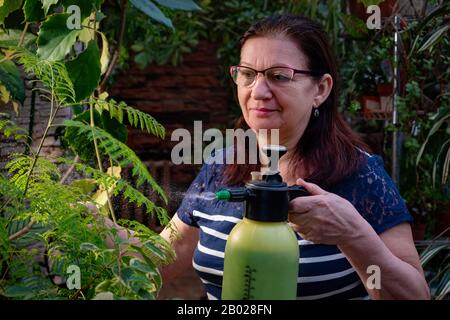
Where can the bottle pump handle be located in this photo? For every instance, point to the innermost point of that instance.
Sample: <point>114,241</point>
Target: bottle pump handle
<point>274,153</point>
<point>297,191</point>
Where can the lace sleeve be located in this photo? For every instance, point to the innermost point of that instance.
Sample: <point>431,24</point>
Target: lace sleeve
<point>375,196</point>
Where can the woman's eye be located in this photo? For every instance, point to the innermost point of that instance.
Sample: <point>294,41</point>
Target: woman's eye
<point>247,74</point>
<point>280,77</point>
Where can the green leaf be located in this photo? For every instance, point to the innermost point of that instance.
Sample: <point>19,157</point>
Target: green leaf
<point>151,10</point>
<point>54,38</point>
<point>8,7</point>
<point>86,6</point>
<point>17,291</point>
<point>434,37</point>
<point>137,264</point>
<point>121,153</point>
<point>32,10</point>
<point>179,4</point>
<point>104,296</point>
<point>440,119</point>
<point>88,246</point>
<point>155,250</point>
<point>84,71</point>
<point>46,4</point>
<point>10,38</point>
<point>84,146</point>
<point>354,26</point>
<point>439,11</point>
<point>104,59</point>
<point>11,79</point>
<point>51,74</point>
<point>426,255</point>
<point>86,185</point>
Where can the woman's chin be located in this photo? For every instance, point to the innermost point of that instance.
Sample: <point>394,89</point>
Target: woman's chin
<point>258,124</point>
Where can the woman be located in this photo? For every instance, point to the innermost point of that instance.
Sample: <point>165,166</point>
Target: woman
<point>354,222</point>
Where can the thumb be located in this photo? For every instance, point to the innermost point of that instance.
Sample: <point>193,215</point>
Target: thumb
<point>312,188</point>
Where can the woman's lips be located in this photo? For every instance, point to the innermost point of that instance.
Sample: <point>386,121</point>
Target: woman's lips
<point>263,112</point>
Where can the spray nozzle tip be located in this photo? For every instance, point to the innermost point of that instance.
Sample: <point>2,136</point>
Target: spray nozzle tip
<point>223,195</point>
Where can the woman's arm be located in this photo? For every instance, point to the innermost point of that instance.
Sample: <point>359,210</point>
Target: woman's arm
<point>329,219</point>
<point>184,244</point>
<point>392,253</point>
<point>182,237</point>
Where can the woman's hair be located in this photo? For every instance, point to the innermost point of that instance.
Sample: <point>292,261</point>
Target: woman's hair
<point>328,150</point>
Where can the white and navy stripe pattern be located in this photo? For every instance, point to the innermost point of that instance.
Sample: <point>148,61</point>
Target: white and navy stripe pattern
<point>324,272</point>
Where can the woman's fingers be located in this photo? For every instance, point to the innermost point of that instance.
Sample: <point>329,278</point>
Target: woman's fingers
<point>312,188</point>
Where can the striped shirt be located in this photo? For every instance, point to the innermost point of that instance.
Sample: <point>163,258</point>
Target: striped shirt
<point>324,272</point>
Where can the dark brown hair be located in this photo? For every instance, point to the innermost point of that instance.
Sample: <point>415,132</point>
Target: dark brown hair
<point>328,149</point>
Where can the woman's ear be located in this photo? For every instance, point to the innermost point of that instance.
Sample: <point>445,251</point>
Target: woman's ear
<point>324,86</point>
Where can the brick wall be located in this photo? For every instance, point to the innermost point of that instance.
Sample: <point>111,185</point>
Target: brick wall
<point>39,115</point>
<point>176,97</point>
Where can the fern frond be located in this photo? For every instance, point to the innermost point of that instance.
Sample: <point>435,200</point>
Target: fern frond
<point>19,168</point>
<point>136,118</point>
<point>119,152</point>
<point>52,74</point>
<point>129,192</point>
<point>9,128</point>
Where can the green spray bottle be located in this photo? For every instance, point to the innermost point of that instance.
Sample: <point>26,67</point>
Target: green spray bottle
<point>262,252</point>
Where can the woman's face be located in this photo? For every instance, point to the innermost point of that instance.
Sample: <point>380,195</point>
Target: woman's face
<point>287,107</point>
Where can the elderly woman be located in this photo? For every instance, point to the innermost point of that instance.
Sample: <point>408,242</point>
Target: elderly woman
<point>353,223</point>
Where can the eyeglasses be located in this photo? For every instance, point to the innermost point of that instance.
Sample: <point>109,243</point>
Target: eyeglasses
<point>275,76</point>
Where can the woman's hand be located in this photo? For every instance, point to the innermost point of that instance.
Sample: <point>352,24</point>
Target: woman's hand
<point>324,217</point>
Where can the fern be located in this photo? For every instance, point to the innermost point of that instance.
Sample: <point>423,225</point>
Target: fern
<point>52,74</point>
<point>129,192</point>
<point>119,152</point>
<point>19,169</point>
<point>136,118</point>
<point>10,129</point>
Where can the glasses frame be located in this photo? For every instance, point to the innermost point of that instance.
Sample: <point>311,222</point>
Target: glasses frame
<point>312,73</point>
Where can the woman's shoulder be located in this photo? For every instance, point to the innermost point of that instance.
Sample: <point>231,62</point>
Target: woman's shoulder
<point>374,194</point>
<point>214,166</point>
<point>370,170</point>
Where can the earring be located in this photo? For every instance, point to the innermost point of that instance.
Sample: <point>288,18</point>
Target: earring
<point>316,112</point>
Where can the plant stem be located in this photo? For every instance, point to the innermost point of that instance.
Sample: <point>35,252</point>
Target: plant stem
<point>99,162</point>
<point>35,158</point>
<point>66,175</point>
<point>22,35</point>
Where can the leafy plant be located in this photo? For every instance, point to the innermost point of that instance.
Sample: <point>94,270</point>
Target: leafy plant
<point>435,261</point>
<point>46,227</point>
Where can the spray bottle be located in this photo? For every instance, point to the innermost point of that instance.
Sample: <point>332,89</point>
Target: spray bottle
<point>262,253</point>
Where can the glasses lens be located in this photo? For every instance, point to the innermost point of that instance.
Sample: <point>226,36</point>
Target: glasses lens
<point>279,76</point>
<point>243,76</point>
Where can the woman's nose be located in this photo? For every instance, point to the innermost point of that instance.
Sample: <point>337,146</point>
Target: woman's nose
<point>261,89</point>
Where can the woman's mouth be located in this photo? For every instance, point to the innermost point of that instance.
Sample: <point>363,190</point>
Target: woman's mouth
<point>263,112</point>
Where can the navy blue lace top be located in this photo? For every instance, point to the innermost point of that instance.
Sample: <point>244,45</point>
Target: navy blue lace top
<point>324,272</point>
